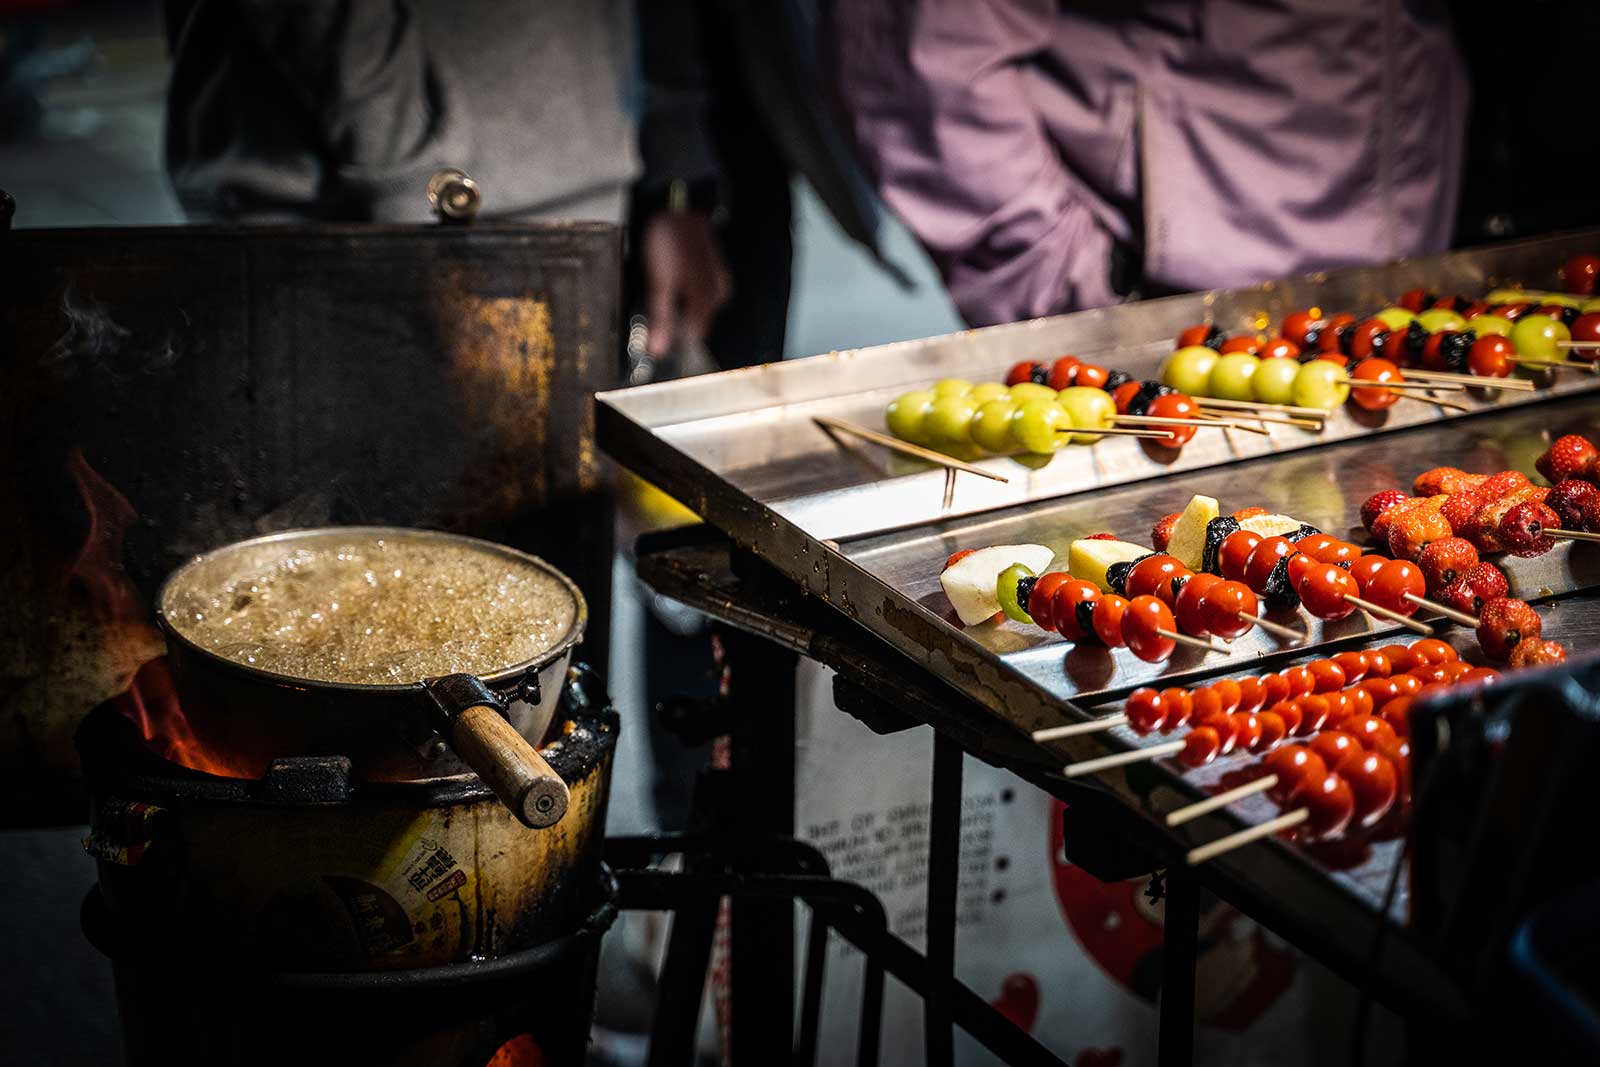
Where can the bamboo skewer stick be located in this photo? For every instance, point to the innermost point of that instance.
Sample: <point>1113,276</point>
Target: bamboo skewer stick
<point>1150,420</point>
<point>1185,639</point>
<point>1206,416</point>
<point>1112,431</point>
<point>1244,837</point>
<point>1275,420</point>
<point>1056,733</point>
<point>1578,346</point>
<point>894,444</point>
<point>1448,612</point>
<point>1393,616</point>
<point>1256,405</point>
<point>1446,404</point>
<point>1356,383</point>
<point>1288,633</point>
<point>1119,759</point>
<point>1474,381</point>
<point>1179,816</point>
<point>1574,535</point>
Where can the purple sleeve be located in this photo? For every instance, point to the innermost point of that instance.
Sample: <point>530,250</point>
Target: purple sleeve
<point>937,95</point>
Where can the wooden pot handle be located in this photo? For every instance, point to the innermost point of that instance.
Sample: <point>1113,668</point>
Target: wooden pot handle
<point>510,766</point>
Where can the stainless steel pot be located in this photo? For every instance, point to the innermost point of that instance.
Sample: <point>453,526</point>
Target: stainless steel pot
<point>489,723</point>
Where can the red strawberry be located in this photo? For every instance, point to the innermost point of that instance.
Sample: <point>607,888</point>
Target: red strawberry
<point>1412,532</point>
<point>1245,513</point>
<point>1161,532</point>
<point>1503,624</point>
<point>1444,561</point>
<point>1101,537</point>
<point>1444,480</point>
<point>1459,595</point>
<point>1537,652</point>
<point>1459,507</point>
<point>1376,505</point>
<point>1571,456</point>
<point>1568,499</point>
<point>1591,514</point>
<point>1498,485</point>
<point>1522,529</point>
<point>1487,582</point>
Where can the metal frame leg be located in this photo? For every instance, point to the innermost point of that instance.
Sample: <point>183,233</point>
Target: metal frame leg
<point>944,873</point>
<point>805,1046</point>
<point>1179,953</point>
<point>682,983</point>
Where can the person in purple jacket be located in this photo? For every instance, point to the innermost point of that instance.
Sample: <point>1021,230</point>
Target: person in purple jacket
<point>1054,155</point>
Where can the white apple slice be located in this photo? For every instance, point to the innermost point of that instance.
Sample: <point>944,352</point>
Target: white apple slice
<point>1270,525</point>
<point>1089,558</point>
<point>1189,532</point>
<point>969,582</point>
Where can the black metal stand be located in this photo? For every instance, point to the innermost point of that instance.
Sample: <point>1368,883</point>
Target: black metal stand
<point>944,876</point>
<point>1179,955</point>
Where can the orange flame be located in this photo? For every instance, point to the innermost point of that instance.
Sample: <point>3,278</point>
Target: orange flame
<point>151,698</point>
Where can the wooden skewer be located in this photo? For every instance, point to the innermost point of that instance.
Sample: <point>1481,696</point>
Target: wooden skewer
<point>1118,759</point>
<point>1551,364</point>
<point>1055,733</point>
<point>1443,387</point>
<point>1179,816</point>
<point>894,444</point>
<point>1185,639</point>
<point>1276,420</point>
<point>1113,431</point>
<point>1208,417</point>
<point>1578,346</point>
<point>1150,420</point>
<point>1288,633</point>
<point>1244,837</point>
<point>1394,616</point>
<point>1256,405</point>
<point>1574,535</point>
<point>1443,609</point>
<point>1446,404</point>
<point>1474,381</point>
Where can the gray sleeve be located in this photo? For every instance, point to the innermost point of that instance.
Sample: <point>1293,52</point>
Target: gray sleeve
<point>382,105</point>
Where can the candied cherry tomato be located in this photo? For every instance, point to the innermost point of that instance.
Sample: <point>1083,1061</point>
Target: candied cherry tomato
<point>1263,559</point>
<point>1380,691</point>
<point>1149,573</point>
<point>1434,650</point>
<point>1064,374</point>
<point>1188,609</point>
<point>1146,710</point>
<point>1313,713</point>
<point>1360,700</point>
<point>1180,706</point>
<point>1246,730</point>
<point>1244,342</point>
<point>1367,337</point>
<point>1365,568</point>
<point>1333,745</point>
<point>1195,335</point>
<point>1316,542</point>
<point>1123,395</point>
<point>1234,553</point>
<point>1279,348</point>
<point>1107,619</point>
<point>1299,565</point>
<point>1228,693</point>
<point>1431,674</point>
<point>1325,588</point>
<point>1367,729</point>
<point>1225,607</point>
<point>1276,687</point>
<point>1354,665</point>
<point>1039,598</point>
<point>1300,327</point>
<point>1168,590</point>
<point>1375,370</point>
<point>1580,273</point>
<point>1273,729</point>
<point>1142,622</point>
<point>1397,713</point>
<point>1390,585</point>
<point>1378,665</point>
<point>1373,780</point>
<point>1093,376</point>
<point>1300,681</point>
<point>1330,804</point>
<point>1407,685</point>
<point>1066,607</point>
<point>1252,694</point>
<point>1026,371</point>
<point>1174,406</point>
<point>1292,764</point>
<point>1201,745</point>
<point>1490,356</point>
<point>1399,657</point>
<point>1289,712</point>
<point>1328,676</point>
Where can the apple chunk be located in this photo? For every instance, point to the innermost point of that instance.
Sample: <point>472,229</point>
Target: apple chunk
<point>970,581</point>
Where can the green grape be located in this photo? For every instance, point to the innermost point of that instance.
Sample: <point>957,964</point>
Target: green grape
<point>1505,296</point>
<point>1566,300</point>
<point>1395,318</point>
<point>952,387</point>
<point>1035,426</point>
<point>1537,337</point>
<point>1273,381</point>
<point>984,392</point>
<point>1005,590</point>
<point>1320,384</point>
<point>991,428</point>
<point>1188,370</point>
<point>949,420</point>
<point>1230,378</point>
<point>905,414</point>
<point>1023,392</point>
<point>1484,325</point>
<point>1435,319</point>
<point>1591,305</point>
<point>1087,408</point>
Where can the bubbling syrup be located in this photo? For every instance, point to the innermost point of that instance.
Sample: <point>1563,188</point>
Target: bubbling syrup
<point>371,610</point>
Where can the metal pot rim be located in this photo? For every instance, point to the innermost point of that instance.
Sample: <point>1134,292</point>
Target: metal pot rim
<point>513,673</point>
